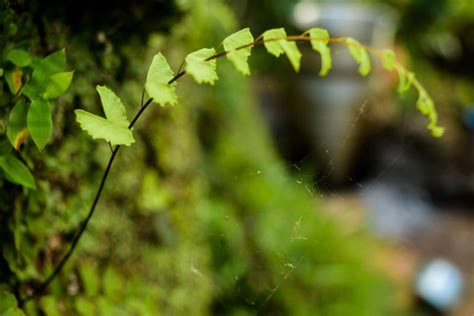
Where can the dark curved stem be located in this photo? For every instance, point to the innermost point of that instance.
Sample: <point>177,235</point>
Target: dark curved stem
<point>40,290</point>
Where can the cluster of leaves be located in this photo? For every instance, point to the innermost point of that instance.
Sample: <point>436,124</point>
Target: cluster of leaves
<point>201,65</point>
<point>33,84</point>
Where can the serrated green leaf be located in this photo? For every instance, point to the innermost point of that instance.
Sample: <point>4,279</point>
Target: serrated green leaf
<point>50,65</point>
<point>239,57</point>
<point>7,301</point>
<point>17,130</point>
<point>113,107</point>
<point>13,79</point>
<point>319,41</point>
<point>57,84</point>
<point>17,171</point>
<point>101,128</point>
<point>276,44</point>
<point>202,71</point>
<point>388,59</point>
<point>157,87</point>
<point>19,57</point>
<point>40,123</point>
<point>360,55</point>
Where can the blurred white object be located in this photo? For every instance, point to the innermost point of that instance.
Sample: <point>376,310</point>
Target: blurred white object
<point>439,283</point>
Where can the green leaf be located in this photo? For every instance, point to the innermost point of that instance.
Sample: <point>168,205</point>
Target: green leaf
<point>13,79</point>
<point>319,41</point>
<point>405,79</point>
<point>17,131</point>
<point>17,171</point>
<point>157,86</point>
<point>50,65</point>
<point>360,55</point>
<point>202,71</point>
<point>276,44</point>
<point>40,123</point>
<point>113,107</point>
<point>1,72</point>
<point>101,128</point>
<point>57,84</point>
<point>7,301</point>
<point>114,129</point>
<point>19,57</point>
<point>236,53</point>
<point>426,106</point>
<point>388,59</point>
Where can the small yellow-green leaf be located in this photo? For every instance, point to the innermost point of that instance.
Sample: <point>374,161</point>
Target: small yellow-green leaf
<point>17,131</point>
<point>19,57</point>
<point>113,107</point>
<point>388,59</point>
<point>276,44</point>
<point>57,84</point>
<point>40,123</point>
<point>236,52</point>
<point>202,71</point>
<point>360,55</point>
<point>157,86</point>
<point>17,171</point>
<point>319,39</point>
<point>101,128</point>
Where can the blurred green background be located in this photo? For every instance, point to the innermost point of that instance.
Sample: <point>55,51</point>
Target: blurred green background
<point>217,209</point>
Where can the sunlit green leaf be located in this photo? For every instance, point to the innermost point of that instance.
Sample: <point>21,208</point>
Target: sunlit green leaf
<point>57,84</point>
<point>426,106</point>
<point>388,59</point>
<point>17,130</point>
<point>17,171</point>
<point>203,71</point>
<point>19,57</point>
<point>40,123</point>
<point>276,44</point>
<point>113,107</point>
<point>157,86</point>
<point>319,42</point>
<point>50,65</point>
<point>360,55</point>
<point>405,79</point>
<point>101,128</point>
<point>236,53</point>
